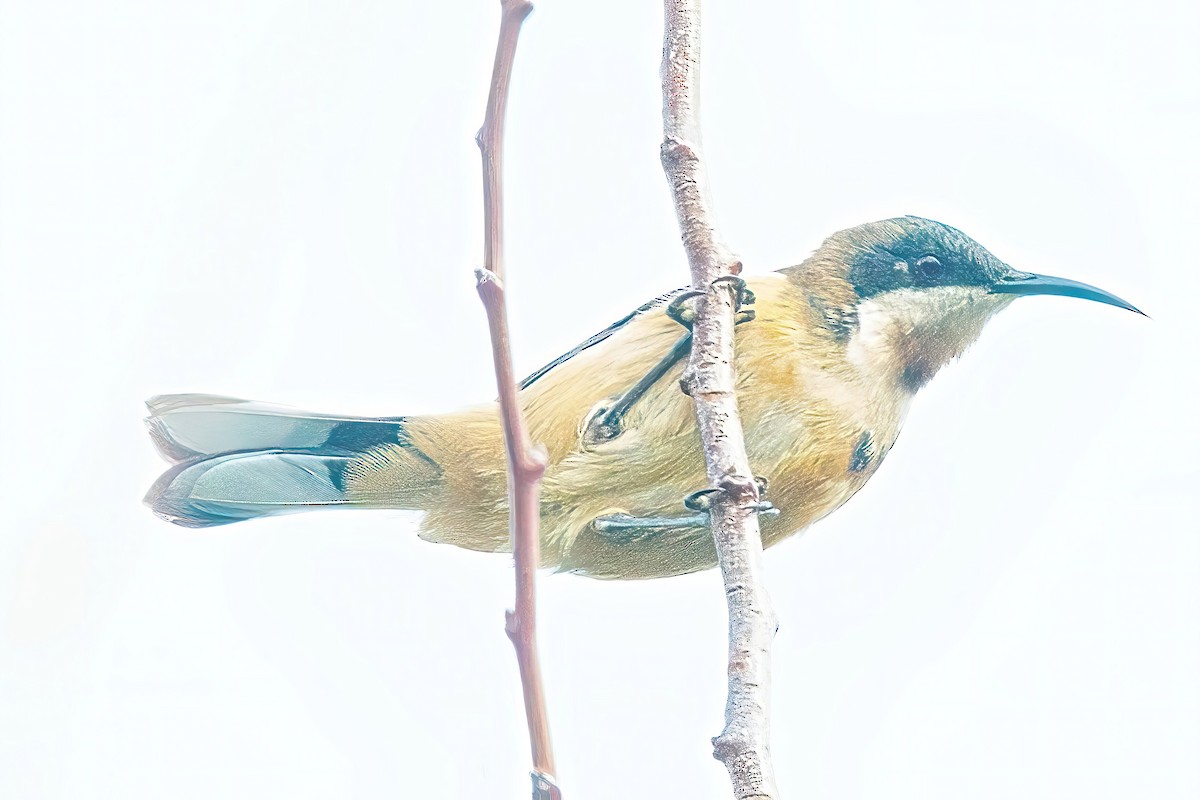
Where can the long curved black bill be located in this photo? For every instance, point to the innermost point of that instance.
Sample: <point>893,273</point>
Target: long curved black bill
<point>1028,283</point>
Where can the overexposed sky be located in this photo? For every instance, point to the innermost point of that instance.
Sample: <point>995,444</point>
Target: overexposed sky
<point>281,201</point>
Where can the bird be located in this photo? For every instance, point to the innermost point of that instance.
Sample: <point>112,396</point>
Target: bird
<point>829,355</point>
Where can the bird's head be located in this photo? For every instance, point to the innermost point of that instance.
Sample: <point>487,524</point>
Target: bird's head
<point>907,295</point>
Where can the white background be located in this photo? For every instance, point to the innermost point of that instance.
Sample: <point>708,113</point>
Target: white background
<point>281,201</point>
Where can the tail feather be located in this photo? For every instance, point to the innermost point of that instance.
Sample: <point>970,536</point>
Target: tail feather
<point>238,459</point>
<point>237,486</point>
<point>189,426</point>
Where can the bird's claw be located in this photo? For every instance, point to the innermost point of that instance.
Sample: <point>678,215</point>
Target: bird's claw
<point>702,500</point>
<point>679,312</point>
<point>743,296</point>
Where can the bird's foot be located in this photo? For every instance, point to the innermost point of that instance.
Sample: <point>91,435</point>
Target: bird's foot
<point>702,500</point>
<point>685,315</point>
<point>627,527</point>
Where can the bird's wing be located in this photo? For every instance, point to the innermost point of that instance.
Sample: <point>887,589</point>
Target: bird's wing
<point>599,337</point>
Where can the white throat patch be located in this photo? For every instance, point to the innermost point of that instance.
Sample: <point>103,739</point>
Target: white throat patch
<point>905,336</point>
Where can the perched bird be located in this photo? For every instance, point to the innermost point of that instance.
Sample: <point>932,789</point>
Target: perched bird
<point>826,369</point>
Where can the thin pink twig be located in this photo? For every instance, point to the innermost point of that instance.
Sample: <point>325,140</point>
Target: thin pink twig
<point>526,462</point>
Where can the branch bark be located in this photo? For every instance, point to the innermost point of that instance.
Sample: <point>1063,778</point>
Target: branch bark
<point>709,379</point>
<point>526,462</point>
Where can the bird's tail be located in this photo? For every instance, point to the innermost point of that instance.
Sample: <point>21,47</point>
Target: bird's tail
<point>237,459</point>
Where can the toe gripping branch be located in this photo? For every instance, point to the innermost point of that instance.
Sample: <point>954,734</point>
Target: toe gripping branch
<point>608,422</point>
<point>626,527</point>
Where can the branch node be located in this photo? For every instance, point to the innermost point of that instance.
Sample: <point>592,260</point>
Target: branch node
<point>483,275</point>
<point>674,153</point>
<point>742,491</point>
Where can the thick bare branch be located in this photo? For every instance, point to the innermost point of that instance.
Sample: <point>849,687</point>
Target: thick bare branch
<point>709,378</point>
<point>526,462</point>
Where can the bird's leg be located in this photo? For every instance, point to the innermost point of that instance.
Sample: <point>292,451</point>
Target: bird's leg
<point>607,423</point>
<point>627,527</point>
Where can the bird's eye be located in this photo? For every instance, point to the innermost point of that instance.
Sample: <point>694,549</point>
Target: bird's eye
<point>928,267</point>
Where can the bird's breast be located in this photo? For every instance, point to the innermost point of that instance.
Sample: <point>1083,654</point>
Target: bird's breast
<point>817,425</point>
